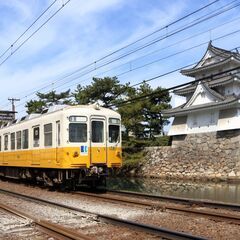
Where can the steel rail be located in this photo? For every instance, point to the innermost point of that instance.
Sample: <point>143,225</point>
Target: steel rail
<point>189,201</point>
<point>52,228</point>
<point>206,213</point>
<point>163,232</point>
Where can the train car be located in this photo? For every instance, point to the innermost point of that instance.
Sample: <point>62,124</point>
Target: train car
<point>64,146</point>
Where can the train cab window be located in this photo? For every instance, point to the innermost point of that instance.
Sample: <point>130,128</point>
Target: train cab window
<point>25,139</point>
<point>36,136</point>
<point>6,142</point>
<point>48,135</point>
<point>12,141</point>
<point>114,130</point>
<point>78,132</point>
<point>114,133</point>
<point>19,140</point>
<point>97,132</point>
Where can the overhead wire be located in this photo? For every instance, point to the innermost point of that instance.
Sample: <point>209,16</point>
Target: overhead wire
<point>130,62</point>
<point>146,36</point>
<point>179,30</point>
<point>27,29</point>
<point>181,85</point>
<point>44,23</point>
<point>169,56</point>
<point>170,24</point>
<point>222,11</point>
<point>162,28</point>
<point>174,87</point>
<point>163,90</point>
<point>176,69</point>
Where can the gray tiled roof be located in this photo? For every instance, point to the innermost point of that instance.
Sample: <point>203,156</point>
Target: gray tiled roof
<point>226,56</point>
<point>180,110</point>
<point>210,82</point>
<point>191,72</point>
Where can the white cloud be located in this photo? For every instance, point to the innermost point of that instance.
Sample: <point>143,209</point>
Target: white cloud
<point>81,33</point>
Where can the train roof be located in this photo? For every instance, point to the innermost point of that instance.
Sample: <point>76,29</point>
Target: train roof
<point>57,108</point>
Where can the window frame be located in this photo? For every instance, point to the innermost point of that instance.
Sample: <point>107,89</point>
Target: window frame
<point>19,143</point>
<point>119,133</point>
<point>77,123</point>
<point>13,141</point>
<point>103,130</point>
<point>25,139</point>
<point>36,144</point>
<point>6,146</point>
<point>46,134</point>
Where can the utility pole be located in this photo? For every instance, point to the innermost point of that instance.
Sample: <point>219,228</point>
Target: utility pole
<point>13,100</point>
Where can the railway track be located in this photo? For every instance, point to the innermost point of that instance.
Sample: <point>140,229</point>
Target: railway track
<point>188,201</point>
<point>54,230</point>
<point>233,218</point>
<point>163,232</point>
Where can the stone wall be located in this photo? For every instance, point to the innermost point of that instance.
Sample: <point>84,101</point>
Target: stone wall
<point>205,156</point>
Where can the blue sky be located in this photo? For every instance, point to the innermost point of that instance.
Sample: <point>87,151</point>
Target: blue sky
<point>84,31</point>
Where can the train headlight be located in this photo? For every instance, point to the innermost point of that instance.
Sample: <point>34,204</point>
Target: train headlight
<point>100,169</point>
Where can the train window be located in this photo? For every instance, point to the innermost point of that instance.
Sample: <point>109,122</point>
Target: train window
<point>77,119</point>
<point>114,133</point>
<point>48,135</point>
<point>58,133</point>
<point>25,139</point>
<point>97,131</point>
<point>78,132</point>
<point>6,142</point>
<point>19,140</point>
<point>12,141</point>
<point>36,136</point>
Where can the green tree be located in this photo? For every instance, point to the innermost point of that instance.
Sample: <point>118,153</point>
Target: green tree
<point>46,100</point>
<point>142,116</point>
<point>52,97</point>
<point>35,106</point>
<point>107,90</point>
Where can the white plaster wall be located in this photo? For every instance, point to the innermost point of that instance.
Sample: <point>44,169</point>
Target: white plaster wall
<point>229,122</point>
<point>178,126</point>
<point>200,96</point>
<point>203,98</point>
<point>202,121</point>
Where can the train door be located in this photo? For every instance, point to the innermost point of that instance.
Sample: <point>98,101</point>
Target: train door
<point>114,142</point>
<point>6,148</point>
<point>36,155</point>
<point>58,141</point>
<point>98,142</point>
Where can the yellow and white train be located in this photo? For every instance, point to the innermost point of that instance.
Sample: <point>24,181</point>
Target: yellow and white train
<point>64,145</point>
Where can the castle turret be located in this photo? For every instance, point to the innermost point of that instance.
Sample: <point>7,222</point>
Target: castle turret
<point>212,104</point>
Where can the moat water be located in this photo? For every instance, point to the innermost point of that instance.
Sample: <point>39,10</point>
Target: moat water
<point>221,191</point>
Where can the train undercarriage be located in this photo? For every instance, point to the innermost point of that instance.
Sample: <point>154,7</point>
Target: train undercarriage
<point>59,178</point>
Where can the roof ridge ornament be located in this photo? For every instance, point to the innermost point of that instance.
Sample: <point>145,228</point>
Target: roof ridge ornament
<point>210,44</point>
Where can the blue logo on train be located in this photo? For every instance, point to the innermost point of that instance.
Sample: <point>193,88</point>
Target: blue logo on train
<point>84,149</point>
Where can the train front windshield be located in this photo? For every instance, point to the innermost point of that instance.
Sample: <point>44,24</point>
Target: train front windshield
<point>114,130</point>
<point>77,132</point>
<point>78,129</point>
